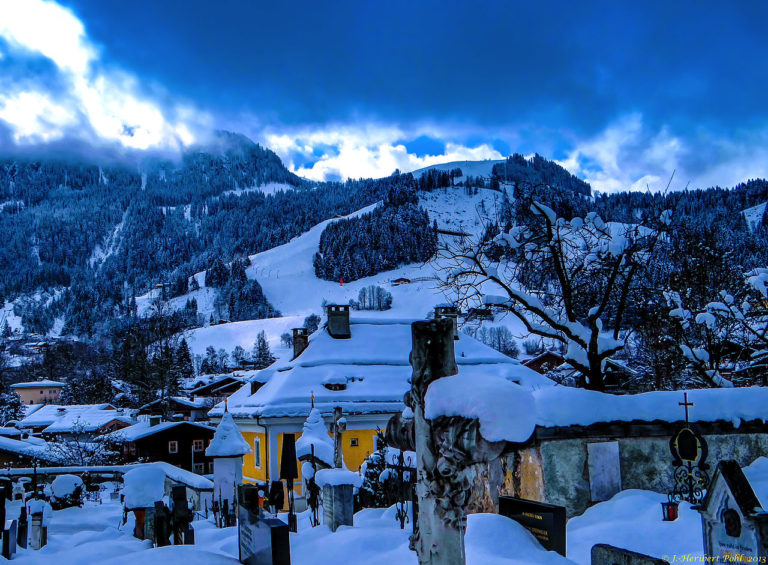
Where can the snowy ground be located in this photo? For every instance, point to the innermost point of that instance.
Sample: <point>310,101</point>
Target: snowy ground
<point>632,519</point>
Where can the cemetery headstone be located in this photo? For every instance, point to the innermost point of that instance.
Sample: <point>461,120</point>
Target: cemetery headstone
<point>39,532</point>
<point>603,554</point>
<point>545,521</point>
<point>23,529</point>
<point>181,516</point>
<point>162,532</point>
<point>735,527</point>
<point>337,506</point>
<point>9,539</point>
<point>262,540</point>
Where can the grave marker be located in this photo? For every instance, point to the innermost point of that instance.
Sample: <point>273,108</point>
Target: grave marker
<point>23,529</point>
<point>545,521</point>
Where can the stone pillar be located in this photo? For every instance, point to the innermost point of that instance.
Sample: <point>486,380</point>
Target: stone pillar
<point>338,507</point>
<point>227,476</point>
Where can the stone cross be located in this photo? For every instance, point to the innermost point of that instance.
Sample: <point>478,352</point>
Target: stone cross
<point>446,448</point>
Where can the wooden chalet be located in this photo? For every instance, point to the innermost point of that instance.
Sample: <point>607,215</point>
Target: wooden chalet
<point>182,444</point>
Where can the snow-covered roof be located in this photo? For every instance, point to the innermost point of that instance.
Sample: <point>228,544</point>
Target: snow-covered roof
<point>57,419</point>
<point>144,429</point>
<point>374,363</point>
<point>227,441</point>
<point>200,402</point>
<point>22,447</point>
<point>39,384</point>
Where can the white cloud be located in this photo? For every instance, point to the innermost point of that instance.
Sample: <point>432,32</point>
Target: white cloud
<point>629,155</point>
<point>367,151</point>
<point>95,104</point>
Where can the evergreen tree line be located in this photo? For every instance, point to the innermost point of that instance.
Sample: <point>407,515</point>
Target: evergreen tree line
<point>394,234</point>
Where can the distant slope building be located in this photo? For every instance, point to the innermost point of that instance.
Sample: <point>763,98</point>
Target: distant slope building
<point>38,392</point>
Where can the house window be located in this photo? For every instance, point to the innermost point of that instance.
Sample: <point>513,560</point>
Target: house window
<point>199,468</point>
<point>41,392</point>
<point>173,446</point>
<point>353,442</point>
<point>257,453</point>
<point>210,467</point>
<point>198,445</point>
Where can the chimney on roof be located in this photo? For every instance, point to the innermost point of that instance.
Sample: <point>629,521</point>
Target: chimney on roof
<point>338,321</point>
<point>154,420</point>
<point>451,313</point>
<point>300,341</point>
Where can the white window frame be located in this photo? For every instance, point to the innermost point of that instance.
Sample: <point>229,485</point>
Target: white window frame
<point>198,443</point>
<point>257,452</point>
<point>173,446</point>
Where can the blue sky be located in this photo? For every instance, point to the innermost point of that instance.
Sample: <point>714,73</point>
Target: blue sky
<point>622,94</point>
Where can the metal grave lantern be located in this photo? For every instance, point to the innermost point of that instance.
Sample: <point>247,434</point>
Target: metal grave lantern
<point>689,455</point>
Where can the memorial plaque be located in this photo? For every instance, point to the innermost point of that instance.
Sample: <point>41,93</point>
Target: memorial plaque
<point>545,521</point>
<point>604,470</point>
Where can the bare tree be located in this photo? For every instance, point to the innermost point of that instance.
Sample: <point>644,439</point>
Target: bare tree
<point>569,281</point>
<point>81,448</point>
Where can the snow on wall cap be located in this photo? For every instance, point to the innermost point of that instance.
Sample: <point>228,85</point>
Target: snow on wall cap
<point>506,411</point>
<point>338,477</point>
<point>227,441</point>
<point>144,486</point>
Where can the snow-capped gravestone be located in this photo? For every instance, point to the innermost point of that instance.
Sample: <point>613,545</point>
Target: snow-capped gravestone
<point>734,524</point>
<point>454,422</point>
<point>262,540</point>
<point>338,494</point>
<point>227,449</point>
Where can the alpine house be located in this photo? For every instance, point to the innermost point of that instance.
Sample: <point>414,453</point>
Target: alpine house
<point>360,365</point>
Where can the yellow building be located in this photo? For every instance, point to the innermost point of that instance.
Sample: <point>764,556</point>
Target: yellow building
<point>359,365</point>
<point>38,392</point>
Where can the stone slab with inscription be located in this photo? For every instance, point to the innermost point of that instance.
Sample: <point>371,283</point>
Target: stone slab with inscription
<point>545,521</point>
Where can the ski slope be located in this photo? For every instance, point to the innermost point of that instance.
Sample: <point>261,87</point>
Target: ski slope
<point>468,168</point>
